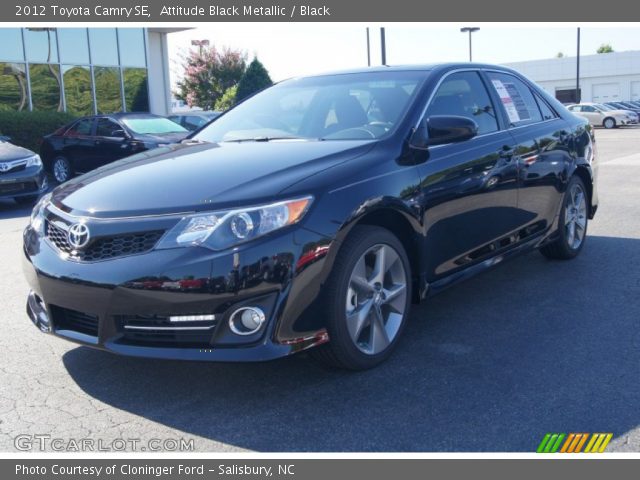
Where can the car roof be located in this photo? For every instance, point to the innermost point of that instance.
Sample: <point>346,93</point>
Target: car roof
<point>414,68</point>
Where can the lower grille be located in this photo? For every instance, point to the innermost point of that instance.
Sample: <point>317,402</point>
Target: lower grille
<point>104,248</point>
<point>159,331</point>
<point>66,319</point>
<point>18,187</point>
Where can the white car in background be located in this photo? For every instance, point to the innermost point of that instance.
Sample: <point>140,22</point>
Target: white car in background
<point>602,115</point>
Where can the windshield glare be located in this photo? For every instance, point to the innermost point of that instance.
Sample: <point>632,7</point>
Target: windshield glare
<point>338,107</point>
<point>152,126</point>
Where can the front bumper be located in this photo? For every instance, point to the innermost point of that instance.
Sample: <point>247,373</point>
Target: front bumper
<point>31,181</point>
<point>96,303</point>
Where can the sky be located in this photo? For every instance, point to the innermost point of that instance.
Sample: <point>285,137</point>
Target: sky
<point>290,50</point>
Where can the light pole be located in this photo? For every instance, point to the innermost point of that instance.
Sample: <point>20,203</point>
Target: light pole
<point>470,30</point>
<point>200,44</point>
<point>368,49</point>
<point>578,68</point>
<point>383,46</point>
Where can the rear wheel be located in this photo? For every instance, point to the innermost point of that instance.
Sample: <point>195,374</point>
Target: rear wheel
<point>367,300</point>
<point>609,123</point>
<point>61,169</point>
<point>572,228</point>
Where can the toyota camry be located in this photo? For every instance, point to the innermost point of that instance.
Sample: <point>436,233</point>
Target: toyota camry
<point>311,216</point>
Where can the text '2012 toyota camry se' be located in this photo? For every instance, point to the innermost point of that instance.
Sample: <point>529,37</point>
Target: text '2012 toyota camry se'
<point>312,215</point>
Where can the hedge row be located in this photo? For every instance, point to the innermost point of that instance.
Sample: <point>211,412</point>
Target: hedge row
<point>27,128</point>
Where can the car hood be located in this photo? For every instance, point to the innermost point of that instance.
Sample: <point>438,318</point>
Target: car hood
<point>620,113</point>
<point>9,152</point>
<point>197,177</point>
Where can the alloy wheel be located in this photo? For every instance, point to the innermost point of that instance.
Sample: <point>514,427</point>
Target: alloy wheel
<point>575,217</point>
<point>376,299</point>
<point>61,170</point>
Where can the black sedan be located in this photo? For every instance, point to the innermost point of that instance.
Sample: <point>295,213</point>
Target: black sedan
<point>92,142</point>
<point>21,174</point>
<point>312,215</point>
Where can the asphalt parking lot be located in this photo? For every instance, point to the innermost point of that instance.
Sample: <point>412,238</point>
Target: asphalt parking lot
<point>534,346</point>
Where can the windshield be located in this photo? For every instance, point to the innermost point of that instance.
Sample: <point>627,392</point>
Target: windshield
<point>337,107</point>
<point>152,126</point>
<point>604,108</point>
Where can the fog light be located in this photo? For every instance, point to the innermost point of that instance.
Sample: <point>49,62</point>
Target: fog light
<point>246,320</point>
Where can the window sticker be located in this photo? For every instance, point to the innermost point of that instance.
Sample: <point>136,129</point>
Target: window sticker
<point>507,101</point>
<point>518,101</point>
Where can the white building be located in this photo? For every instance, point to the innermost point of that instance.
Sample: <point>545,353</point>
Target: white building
<point>605,77</point>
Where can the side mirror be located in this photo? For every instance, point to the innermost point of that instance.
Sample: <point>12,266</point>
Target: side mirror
<point>119,134</point>
<point>442,129</point>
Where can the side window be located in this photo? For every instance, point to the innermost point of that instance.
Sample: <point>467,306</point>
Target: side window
<point>81,127</point>
<point>587,108</point>
<point>545,109</point>
<point>517,99</point>
<point>108,128</point>
<point>464,94</point>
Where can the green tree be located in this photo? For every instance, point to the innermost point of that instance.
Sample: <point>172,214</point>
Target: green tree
<point>254,79</point>
<point>228,100</point>
<point>605,48</point>
<point>208,74</point>
<point>559,55</point>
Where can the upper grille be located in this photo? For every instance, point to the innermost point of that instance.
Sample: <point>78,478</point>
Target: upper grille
<point>104,248</point>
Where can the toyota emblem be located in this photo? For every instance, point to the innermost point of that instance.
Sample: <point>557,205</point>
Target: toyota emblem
<point>5,167</point>
<point>78,235</point>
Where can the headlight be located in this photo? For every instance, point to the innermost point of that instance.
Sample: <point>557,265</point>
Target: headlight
<point>34,161</point>
<point>224,229</point>
<point>37,214</point>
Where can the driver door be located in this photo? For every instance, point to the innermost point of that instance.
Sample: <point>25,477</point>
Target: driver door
<point>470,188</point>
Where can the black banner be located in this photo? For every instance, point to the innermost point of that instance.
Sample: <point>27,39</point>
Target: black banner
<point>84,11</point>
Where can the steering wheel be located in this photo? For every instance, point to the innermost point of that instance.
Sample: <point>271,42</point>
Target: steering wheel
<point>360,133</point>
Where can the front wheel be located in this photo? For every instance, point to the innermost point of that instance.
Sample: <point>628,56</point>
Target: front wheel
<point>609,123</point>
<point>572,228</point>
<point>367,300</point>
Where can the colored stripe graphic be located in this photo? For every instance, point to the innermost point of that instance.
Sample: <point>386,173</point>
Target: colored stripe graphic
<point>550,443</point>
<point>574,442</point>
<point>598,442</point>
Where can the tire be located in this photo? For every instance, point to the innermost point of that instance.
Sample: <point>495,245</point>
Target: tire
<point>609,123</point>
<point>61,169</point>
<point>376,305</point>
<point>574,212</point>
<point>26,200</point>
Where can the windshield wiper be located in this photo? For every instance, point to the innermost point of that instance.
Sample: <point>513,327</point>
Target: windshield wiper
<point>268,139</point>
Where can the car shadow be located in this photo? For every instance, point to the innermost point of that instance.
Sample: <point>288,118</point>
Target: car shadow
<point>493,364</point>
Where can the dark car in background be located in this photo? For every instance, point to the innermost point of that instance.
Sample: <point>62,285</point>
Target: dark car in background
<point>312,215</point>
<point>22,176</point>
<point>91,142</point>
<point>193,120</point>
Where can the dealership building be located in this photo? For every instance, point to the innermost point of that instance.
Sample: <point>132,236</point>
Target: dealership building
<point>85,71</point>
<point>605,77</point>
